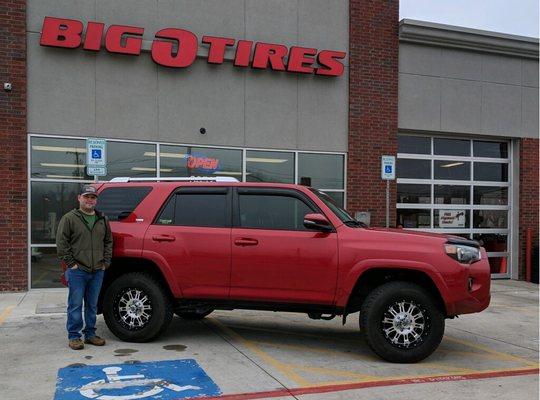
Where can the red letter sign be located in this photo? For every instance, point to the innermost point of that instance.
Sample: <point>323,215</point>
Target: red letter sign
<point>274,53</point>
<point>329,59</point>
<point>113,39</point>
<point>61,32</point>
<point>93,36</point>
<point>298,60</point>
<point>216,52</point>
<point>162,51</point>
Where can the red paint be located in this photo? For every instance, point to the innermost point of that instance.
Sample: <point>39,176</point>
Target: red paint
<point>162,51</point>
<point>216,51</point>
<point>364,385</point>
<point>93,36</point>
<point>269,53</point>
<point>61,32</point>
<point>298,62</point>
<point>177,48</point>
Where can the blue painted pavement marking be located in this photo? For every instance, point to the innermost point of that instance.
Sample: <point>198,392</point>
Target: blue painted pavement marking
<point>175,379</point>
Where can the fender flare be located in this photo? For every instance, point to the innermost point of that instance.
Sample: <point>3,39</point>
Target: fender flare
<point>165,269</point>
<point>361,267</point>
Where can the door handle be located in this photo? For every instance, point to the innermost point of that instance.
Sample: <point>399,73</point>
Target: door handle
<point>163,238</point>
<point>246,242</point>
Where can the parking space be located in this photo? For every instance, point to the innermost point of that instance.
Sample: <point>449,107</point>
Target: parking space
<point>252,354</point>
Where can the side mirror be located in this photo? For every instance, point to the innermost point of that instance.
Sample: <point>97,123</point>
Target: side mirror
<point>318,222</point>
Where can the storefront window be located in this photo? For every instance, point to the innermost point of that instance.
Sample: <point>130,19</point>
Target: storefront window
<point>130,159</point>
<point>45,267</point>
<point>200,161</point>
<point>323,171</point>
<point>269,166</point>
<point>414,145</point>
<point>50,201</point>
<point>54,158</point>
<point>471,191</point>
<point>337,197</point>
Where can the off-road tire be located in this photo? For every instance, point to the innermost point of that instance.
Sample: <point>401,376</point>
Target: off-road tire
<point>376,310</point>
<point>161,312</point>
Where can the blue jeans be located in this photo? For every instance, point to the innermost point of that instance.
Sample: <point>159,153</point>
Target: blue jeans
<point>82,286</point>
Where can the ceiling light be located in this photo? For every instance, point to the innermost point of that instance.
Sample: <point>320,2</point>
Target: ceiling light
<point>145,169</point>
<point>227,173</point>
<point>165,155</point>
<point>44,164</point>
<point>266,160</point>
<point>60,149</point>
<point>451,165</point>
<point>64,176</point>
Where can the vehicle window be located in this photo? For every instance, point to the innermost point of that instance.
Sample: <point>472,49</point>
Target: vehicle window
<point>166,217</point>
<point>114,202</point>
<point>197,209</point>
<point>272,212</point>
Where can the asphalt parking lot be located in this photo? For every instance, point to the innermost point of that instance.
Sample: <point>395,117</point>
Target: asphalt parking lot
<point>255,355</point>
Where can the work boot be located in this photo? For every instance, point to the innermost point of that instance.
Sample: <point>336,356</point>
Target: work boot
<point>95,340</point>
<point>76,344</point>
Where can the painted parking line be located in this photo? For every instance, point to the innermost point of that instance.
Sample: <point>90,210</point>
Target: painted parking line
<point>5,314</point>
<point>370,384</point>
<point>173,379</point>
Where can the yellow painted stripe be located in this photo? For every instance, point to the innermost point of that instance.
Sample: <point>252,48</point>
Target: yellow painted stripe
<point>5,314</point>
<point>281,367</point>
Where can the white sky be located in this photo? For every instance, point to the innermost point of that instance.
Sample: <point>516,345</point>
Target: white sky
<point>517,17</point>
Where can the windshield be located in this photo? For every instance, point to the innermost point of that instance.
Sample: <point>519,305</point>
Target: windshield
<point>343,215</point>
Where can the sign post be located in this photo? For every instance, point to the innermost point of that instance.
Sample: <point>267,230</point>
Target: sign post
<point>388,173</point>
<point>96,157</point>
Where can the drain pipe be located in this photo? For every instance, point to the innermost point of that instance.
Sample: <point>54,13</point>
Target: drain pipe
<point>528,255</point>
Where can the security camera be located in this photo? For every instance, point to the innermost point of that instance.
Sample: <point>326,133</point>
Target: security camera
<point>7,86</point>
<point>202,130</point>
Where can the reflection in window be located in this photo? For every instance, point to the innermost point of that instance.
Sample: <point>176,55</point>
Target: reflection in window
<point>184,161</point>
<point>450,194</point>
<point>45,268</point>
<point>413,169</point>
<point>413,218</point>
<point>420,194</point>
<point>323,170</point>
<point>498,265</point>
<point>491,195</point>
<point>272,212</point>
<point>337,197</point>
<point>49,202</point>
<point>494,172</point>
<point>451,218</point>
<point>451,147</point>
<point>130,159</point>
<point>414,144</point>
<point>269,166</point>
<point>452,170</point>
<point>490,219</point>
<point>54,158</point>
<point>490,149</point>
<point>493,242</point>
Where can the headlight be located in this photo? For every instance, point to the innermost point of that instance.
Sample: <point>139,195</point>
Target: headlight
<point>463,254</point>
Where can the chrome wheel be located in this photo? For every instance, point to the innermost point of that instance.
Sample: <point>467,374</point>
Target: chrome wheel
<point>133,308</point>
<point>405,324</point>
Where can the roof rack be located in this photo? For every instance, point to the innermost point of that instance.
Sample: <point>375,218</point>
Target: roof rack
<point>123,179</point>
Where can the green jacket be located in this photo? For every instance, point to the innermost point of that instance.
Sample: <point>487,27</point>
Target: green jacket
<point>76,243</point>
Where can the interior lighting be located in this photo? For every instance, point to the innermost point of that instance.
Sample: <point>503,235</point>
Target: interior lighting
<point>266,160</point>
<point>60,149</point>
<point>43,164</point>
<point>451,165</point>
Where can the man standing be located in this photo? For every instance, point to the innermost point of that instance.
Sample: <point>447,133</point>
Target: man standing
<point>84,244</point>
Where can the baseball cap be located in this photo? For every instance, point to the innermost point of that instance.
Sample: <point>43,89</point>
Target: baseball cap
<point>88,189</point>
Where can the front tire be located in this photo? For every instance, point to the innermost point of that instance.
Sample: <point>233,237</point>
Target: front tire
<point>136,307</point>
<point>401,322</point>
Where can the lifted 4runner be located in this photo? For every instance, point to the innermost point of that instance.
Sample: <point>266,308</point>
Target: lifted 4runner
<point>190,247</point>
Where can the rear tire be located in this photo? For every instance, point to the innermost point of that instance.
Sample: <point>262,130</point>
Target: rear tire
<point>401,322</point>
<point>136,307</point>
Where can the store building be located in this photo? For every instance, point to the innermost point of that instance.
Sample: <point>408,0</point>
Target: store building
<point>289,91</point>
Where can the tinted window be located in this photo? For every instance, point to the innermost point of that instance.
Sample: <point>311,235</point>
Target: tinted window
<point>492,195</point>
<point>447,194</point>
<point>197,209</point>
<point>166,217</point>
<point>413,169</point>
<point>322,170</point>
<point>413,193</point>
<point>413,218</point>
<point>451,147</point>
<point>272,212</point>
<point>452,170</point>
<point>115,201</point>
<point>494,172</point>
<point>490,149</point>
<point>269,166</point>
<point>414,145</point>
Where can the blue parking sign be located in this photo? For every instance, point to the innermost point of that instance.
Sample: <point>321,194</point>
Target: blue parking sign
<point>174,379</point>
<point>96,153</point>
<point>387,169</point>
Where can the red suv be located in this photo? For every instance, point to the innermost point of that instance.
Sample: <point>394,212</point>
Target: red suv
<point>191,247</point>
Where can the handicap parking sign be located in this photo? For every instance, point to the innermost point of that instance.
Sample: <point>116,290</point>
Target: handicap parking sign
<point>96,153</point>
<point>387,169</point>
<point>174,379</point>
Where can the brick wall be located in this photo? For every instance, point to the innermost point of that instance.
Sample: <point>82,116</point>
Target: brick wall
<point>13,210</point>
<point>528,197</point>
<point>373,102</point>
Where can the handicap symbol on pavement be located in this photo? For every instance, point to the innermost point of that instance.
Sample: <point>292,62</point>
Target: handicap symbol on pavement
<point>176,379</point>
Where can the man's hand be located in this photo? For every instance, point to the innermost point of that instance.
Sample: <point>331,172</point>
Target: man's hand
<point>75,266</point>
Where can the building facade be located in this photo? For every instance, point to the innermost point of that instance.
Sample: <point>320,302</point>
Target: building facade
<point>292,91</point>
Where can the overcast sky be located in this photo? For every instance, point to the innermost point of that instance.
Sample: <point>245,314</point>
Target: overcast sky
<point>518,17</point>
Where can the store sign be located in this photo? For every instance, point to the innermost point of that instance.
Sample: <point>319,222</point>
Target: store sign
<point>177,48</point>
<point>203,163</point>
<point>451,218</point>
